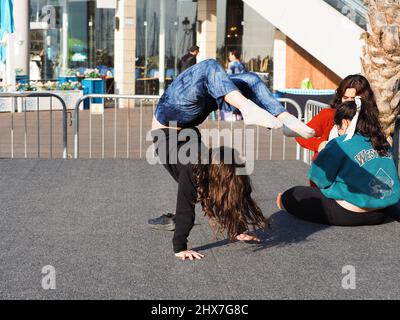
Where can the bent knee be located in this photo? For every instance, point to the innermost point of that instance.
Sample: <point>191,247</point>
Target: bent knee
<point>209,62</point>
<point>249,77</point>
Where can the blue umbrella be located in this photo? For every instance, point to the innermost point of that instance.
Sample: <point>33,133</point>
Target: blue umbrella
<point>6,16</point>
<point>6,24</point>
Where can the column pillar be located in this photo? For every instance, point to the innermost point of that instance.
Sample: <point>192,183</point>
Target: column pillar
<point>20,38</point>
<point>125,48</point>
<point>279,77</point>
<point>161,55</point>
<point>207,30</point>
<point>64,50</point>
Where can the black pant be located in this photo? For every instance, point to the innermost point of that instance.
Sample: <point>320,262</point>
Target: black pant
<point>167,147</point>
<point>310,204</point>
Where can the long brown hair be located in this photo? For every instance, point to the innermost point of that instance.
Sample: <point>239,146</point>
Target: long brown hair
<point>362,86</point>
<point>368,124</point>
<point>225,196</point>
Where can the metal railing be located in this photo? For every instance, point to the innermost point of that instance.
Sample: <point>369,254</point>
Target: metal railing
<point>286,102</point>
<point>294,104</point>
<point>140,98</point>
<point>311,109</point>
<point>354,10</point>
<point>19,101</point>
<point>132,102</point>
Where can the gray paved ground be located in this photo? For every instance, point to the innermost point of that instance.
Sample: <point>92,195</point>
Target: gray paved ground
<point>87,218</point>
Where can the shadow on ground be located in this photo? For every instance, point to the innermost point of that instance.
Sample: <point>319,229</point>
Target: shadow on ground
<point>283,230</point>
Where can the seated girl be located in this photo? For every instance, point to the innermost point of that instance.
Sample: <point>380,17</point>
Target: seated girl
<point>322,123</point>
<point>355,174</point>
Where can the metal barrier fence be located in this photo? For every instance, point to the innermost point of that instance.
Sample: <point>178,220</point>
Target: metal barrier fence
<point>285,102</point>
<point>132,102</point>
<point>19,101</point>
<point>136,98</point>
<point>311,109</point>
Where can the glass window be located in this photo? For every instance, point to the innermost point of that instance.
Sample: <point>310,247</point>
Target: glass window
<point>180,34</point>
<point>239,28</point>
<point>68,36</point>
<point>45,38</point>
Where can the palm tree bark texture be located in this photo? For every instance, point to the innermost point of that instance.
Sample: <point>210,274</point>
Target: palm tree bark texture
<point>381,58</point>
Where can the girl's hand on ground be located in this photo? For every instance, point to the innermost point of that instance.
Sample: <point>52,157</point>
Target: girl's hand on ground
<point>247,237</point>
<point>189,254</point>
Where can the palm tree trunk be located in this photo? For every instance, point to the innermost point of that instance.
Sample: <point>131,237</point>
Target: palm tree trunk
<point>381,58</point>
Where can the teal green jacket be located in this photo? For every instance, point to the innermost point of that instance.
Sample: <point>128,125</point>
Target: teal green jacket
<point>353,171</point>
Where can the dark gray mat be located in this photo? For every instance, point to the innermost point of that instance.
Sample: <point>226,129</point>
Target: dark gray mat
<point>87,218</point>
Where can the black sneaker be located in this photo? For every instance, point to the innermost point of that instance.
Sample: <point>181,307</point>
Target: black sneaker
<point>165,222</point>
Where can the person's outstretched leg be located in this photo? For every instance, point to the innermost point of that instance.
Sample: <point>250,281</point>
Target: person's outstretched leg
<point>305,203</point>
<point>310,204</point>
<point>195,93</point>
<point>221,88</point>
<point>251,112</point>
<point>394,212</point>
<point>253,88</point>
<point>293,127</point>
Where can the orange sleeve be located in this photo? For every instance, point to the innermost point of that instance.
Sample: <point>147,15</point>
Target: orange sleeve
<point>322,123</point>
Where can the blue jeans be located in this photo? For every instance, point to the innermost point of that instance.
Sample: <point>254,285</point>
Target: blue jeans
<point>253,88</point>
<point>201,89</point>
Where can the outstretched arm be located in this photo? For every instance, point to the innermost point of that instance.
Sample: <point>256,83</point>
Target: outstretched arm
<point>185,216</point>
<point>322,124</point>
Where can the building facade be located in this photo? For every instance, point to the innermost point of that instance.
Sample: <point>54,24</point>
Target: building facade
<point>140,42</point>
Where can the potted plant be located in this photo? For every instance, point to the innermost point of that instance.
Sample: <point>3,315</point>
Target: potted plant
<point>92,84</point>
<point>68,75</point>
<point>70,85</point>
<point>92,74</point>
<point>69,91</point>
